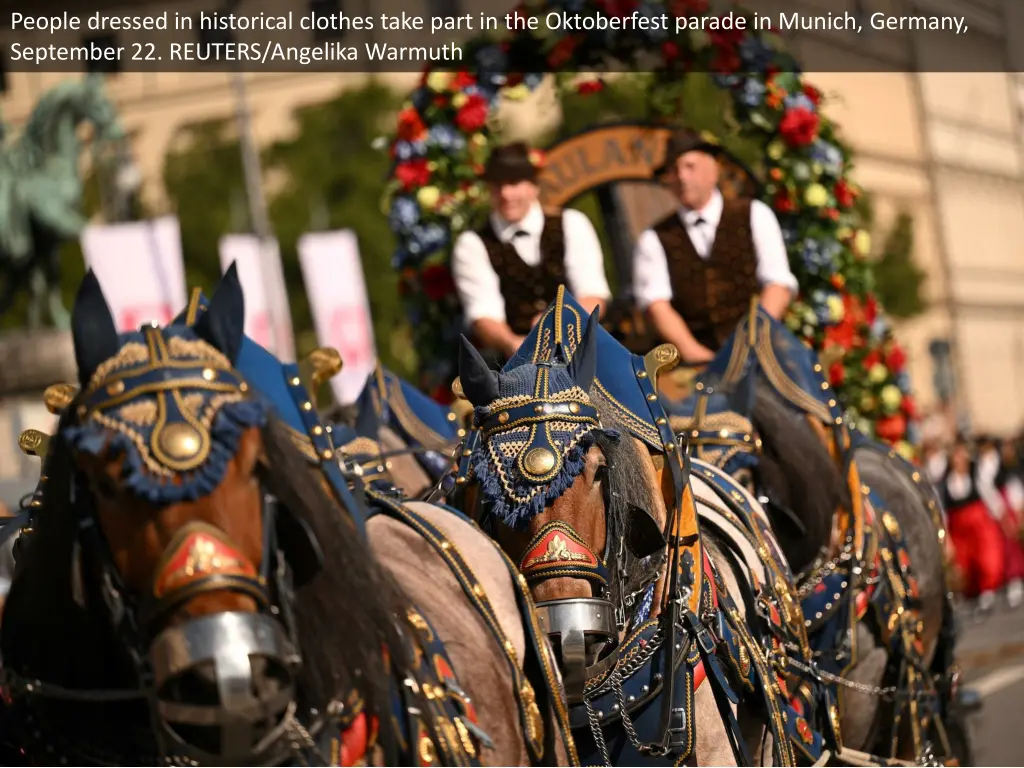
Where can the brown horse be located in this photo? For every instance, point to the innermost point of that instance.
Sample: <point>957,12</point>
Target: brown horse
<point>589,512</point>
<point>199,588</point>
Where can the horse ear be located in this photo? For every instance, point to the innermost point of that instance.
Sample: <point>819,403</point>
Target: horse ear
<point>643,534</point>
<point>583,367</point>
<point>92,328</point>
<point>479,382</point>
<point>223,323</point>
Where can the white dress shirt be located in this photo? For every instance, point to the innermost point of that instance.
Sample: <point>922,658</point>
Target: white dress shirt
<point>478,284</point>
<point>651,281</point>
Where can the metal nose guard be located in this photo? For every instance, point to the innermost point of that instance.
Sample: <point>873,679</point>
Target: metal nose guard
<point>228,641</point>
<point>572,622</point>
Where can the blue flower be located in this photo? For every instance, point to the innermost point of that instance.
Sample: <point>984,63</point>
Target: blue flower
<point>879,328</point>
<point>421,98</point>
<point>533,80</point>
<point>492,62</point>
<point>903,382</point>
<point>819,258</point>
<point>799,101</point>
<point>723,80</point>
<point>753,92</point>
<point>404,214</point>
<point>400,258</point>
<point>444,136</point>
<point>756,54</point>
<point>828,155</point>
<point>405,150</point>
<point>913,433</point>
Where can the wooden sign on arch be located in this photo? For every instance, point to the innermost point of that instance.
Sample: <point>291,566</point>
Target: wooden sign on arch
<point>621,152</point>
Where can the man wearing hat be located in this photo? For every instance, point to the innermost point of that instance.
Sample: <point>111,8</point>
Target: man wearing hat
<point>695,271</point>
<point>508,271</point>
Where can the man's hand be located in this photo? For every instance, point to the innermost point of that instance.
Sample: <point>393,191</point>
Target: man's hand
<point>697,353</point>
<point>672,328</point>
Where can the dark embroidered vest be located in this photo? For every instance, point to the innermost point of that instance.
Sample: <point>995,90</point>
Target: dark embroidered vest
<point>712,296</point>
<point>527,290</point>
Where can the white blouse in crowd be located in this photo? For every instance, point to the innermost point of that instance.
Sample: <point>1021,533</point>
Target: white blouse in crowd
<point>478,285</point>
<point>651,280</point>
<point>988,468</point>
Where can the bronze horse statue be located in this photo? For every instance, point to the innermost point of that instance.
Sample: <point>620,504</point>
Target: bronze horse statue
<point>205,582</point>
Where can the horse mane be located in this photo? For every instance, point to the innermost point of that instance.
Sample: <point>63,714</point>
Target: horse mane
<point>60,642</point>
<point>628,474</point>
<point>796,469</point>
<point>37,127</point>
<point>337,653</point>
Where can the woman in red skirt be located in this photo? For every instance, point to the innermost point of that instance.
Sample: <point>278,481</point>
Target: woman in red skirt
<point>1009,482</point>
<point>978,542</point>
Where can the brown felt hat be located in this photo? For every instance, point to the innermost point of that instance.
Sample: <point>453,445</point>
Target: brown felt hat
<point>510,164</point>
<point>681,142</point>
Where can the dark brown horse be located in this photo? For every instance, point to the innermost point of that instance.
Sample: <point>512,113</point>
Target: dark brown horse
<point>198,587</point>
<point>590,513</point>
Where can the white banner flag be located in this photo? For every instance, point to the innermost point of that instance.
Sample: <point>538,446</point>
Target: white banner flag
<point>140,268</point>
<point>340,307</point>
<point>255,268</point>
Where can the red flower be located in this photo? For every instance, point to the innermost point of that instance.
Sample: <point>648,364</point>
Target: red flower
<point>463,80</point>
<point>830,213</point>
<point>891,428</point>
<point>440,101</point>
<point>670,51</point>
<point>618,8</point>
<point>895,359</point>
<point>844,194</point>
<point>413,174</point>
<point>838,281</point>
<point>783,202</point>
<point>726,61</point>
<point>437,282</point>
<point>870,309</point>
<point>812,93</point>
<point>799,127</point>
<point>410,126</point>
<point>688,7</point>
<point>726,38</point>
<point>841,335</point>
<point>909,407</point>
<point>872,358</point>
<point>590,86</point>
<point>562,52</point>
<point>836,374</point>
<point>473,114</point>
<point>443,394</point>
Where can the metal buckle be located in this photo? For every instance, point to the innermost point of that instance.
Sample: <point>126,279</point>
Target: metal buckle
<point>700,630</point>
<point>677,729</point>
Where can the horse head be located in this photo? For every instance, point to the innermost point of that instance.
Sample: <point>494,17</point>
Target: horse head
<point>567,497</point>
<point>54,122</point>
<point>197,528</point>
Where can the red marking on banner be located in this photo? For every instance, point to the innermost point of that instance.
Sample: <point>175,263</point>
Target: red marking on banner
<point>198,556</point>
<point>351,335</point>
<point>354,741</point>
<point>134,317</point>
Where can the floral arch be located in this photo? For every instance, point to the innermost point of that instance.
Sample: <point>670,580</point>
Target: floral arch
<point>444,134</point>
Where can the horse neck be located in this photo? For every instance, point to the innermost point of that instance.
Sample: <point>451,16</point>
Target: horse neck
<point>55,134</point>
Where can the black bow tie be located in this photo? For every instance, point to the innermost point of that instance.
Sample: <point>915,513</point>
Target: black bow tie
<point>520,233</point>
<point>698,221</point>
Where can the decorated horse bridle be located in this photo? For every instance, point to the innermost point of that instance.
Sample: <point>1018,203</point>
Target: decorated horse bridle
<point>174,408</point>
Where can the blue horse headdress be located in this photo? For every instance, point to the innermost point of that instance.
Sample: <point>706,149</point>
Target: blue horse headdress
<point>536,424</point>
<point>169,400</point>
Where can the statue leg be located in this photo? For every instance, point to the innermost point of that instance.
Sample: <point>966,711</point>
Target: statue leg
<point>35,304</point>
<point>59,315</point>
